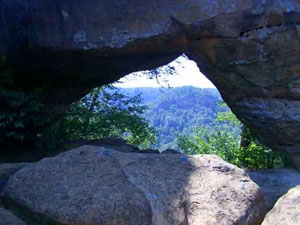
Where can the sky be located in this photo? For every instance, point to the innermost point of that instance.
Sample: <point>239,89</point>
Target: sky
<point>186,74</point>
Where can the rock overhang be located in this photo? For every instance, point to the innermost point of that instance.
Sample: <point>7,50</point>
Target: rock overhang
<point>248,49</point>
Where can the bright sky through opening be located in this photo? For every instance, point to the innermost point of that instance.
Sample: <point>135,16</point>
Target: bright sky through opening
<point>186,74</point>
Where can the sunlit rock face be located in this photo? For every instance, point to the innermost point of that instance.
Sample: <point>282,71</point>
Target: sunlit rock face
<point>95,185</point>
<point>248,48</point>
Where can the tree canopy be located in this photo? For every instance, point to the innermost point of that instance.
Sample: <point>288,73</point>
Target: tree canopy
<point>107,112</point>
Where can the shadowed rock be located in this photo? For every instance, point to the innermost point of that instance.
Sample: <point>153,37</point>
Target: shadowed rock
<point>7,170</point>
<point>286,211</point>
<point>118,144</point>
<point>275,183</point>
<point>170,151</point>
<point>7,218</point>
<point>96,185</point>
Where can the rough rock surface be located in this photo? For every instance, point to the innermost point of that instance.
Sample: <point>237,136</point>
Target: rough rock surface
<point>275,183</point>
<point>96,185</point>
<point>7,170</point>
<point>286,211</point>
<point>248,48</point>
<point>118,144</point>
<point>7,218</point>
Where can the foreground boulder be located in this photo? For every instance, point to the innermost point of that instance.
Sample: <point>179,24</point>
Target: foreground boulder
<point>96,185</point>
<point>7,170</point>
<point>286,211</point>
<point>275,183</point>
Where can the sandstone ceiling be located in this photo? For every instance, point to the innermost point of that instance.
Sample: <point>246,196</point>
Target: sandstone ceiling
<point>248,48</point>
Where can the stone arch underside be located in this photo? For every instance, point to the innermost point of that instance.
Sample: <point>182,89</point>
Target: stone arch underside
<point>248,48</point>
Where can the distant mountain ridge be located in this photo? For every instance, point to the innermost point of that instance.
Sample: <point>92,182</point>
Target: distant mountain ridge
<point>177,111</point>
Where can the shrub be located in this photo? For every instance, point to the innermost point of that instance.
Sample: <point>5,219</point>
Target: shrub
<point>224,140</point>
<point>23,124</point>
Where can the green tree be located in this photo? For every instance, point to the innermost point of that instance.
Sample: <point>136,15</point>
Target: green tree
<point>256,155</point>
<point>24,125</point>
<point>104,112</point>
<point>107,112</point>
<point>208,141</point>
<point>177,111</point>
<point>224,139</point>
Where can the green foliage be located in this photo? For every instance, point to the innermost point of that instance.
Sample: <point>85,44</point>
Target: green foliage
<point>255,155</point>
<point>107,112</point>
<point>227,116</point>
<point>203,126</point>
<point>207,141</point>
<point>22,122</point>
<point>224,140</point>
<point>177,111</point>
<point>5,72</point>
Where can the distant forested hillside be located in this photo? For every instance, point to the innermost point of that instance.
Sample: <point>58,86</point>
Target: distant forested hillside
<point>177,111</point>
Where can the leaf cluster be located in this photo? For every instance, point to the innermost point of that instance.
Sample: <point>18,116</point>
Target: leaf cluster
<point>224,139</point>
<point>108,112</point>
<point>22,120</point>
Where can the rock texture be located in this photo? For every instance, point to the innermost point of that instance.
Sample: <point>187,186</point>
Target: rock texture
<point>275,183</point>
<point>286,211</point>
<point>118,144</point>
<point>7,170</point>
<point>96,185</point>
<point>7,218</point>
<point>248,48</point>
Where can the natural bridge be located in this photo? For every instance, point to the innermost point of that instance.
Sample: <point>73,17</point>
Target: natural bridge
<point>248,48</point>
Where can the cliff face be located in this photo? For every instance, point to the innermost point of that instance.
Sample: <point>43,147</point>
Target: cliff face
<point>248,48</point>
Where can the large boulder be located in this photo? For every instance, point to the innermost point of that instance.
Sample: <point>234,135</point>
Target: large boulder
<point>7,170</point>
<point>96,185</point>
<point>286,211</point>
<point>275,183</point>
<point>248,48</point>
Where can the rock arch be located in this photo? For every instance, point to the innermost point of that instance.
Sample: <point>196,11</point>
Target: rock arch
<point>248,48</point>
